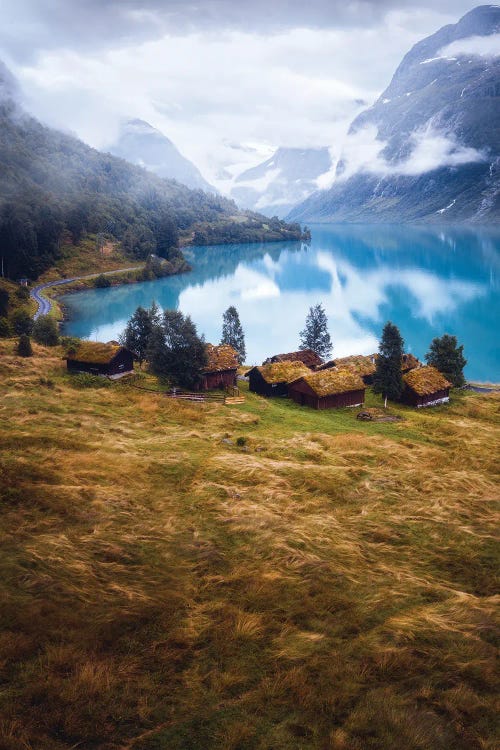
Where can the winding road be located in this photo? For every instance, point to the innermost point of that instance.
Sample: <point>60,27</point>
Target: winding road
<point>44,304</point>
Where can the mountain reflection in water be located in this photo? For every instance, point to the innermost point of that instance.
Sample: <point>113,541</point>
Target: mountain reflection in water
<point>427,281</point>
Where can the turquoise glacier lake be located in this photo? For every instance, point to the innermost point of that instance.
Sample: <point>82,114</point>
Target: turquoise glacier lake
<point>427,281</point>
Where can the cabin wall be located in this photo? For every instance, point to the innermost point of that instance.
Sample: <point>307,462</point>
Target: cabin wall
<point>432,399</point>
<point>303,396</point>
<point>122,362</point>
<point>224,379</point>
<point>257,384</point>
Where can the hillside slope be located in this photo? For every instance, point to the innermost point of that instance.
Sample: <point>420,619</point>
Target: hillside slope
<point>322,583</point>
<point>429,148</point>
<point>141,144</point>
<point>53,186</point>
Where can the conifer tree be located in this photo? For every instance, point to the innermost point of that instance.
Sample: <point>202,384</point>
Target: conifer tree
<point>315,335</point>
<point>448,358</point>
<point>24,346</point>
<point>232,332</point>
<point>388,379</point>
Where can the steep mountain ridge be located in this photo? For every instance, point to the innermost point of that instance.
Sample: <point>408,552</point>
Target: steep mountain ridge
<point>431,142</point>
<point>278,183</point>
<point>144,145</point>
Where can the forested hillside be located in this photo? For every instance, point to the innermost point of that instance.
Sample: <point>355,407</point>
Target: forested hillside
<point>53,186</point>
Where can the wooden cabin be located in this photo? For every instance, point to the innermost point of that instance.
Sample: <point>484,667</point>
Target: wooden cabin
<point>221,368</point>
<point>273,379</point>
<point>96,358</point>
<point>309,358</point>
<point>328,389</point>
<point>410,362</point>
<point>425,386</point>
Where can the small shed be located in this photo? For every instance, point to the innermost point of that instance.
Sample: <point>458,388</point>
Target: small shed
<point>306,356</point>
<point>221,368</point>
<point>328,389</point>
<point>361,364</point>
<point>425,386</point>
<point>100,359</point>
<point>273,379</point>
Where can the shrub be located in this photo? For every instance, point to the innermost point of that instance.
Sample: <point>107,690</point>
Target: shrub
<point>5,328</point>
<point>22,322</point>
<point>69,343</point>
<point>102,282</point>
<point>23,293</point>
<point>45,331</point>
<point>24,346</point>
<point>85,380</point>
<point>241,441</point>
<point>4,302</point>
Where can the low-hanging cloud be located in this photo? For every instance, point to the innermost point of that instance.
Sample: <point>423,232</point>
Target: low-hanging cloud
<point>430,150</point>
<point>472,46</point>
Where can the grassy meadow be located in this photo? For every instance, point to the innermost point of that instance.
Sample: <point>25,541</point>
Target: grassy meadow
<point>181,576</point>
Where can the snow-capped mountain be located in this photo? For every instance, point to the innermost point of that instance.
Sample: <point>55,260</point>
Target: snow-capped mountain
<point>288,176</point>
<point>429,148</point>
<point>146,146</point>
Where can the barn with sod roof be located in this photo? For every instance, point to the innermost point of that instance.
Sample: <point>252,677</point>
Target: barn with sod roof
<point>425,386</point>
<point>95,358</point>
<point>365,365</point>
<point>273,379</point>
<point>221,368</point>
<point>328,389</point>
<point>306,356</point>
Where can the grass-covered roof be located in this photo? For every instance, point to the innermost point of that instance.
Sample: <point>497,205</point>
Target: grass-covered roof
<point>333,381</point>
<point>94,352</point>
<point>220,358</point>
<point>283,372</point>
<point>426,380</point>
<point>307,356</point>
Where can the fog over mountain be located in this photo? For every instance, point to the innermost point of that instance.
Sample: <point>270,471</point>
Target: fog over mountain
<point>141,144</point>
<point>429,148</point>
<point>287,177</point>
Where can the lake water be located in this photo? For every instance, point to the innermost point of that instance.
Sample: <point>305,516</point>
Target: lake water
<point>427,281</point>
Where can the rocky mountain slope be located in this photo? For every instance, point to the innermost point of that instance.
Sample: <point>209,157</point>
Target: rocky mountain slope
<point>290,175</point>
<point>429,148</point>
<point>140,143</point>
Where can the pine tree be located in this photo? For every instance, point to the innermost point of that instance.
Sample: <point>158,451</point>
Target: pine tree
<point>448,358</point>
<point>45,331</point>
<point>387,378</point>
<point>315,335</point>
<point>24,346</point>
<point>139,329</point>
<point>232,332</point>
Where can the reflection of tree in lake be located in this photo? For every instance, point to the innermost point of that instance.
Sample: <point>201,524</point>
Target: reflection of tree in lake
<point>429,282</point>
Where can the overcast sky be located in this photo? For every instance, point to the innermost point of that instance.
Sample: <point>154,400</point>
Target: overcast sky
<point>227,80</point>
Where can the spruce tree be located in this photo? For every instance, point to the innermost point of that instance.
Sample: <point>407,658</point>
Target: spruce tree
<point>448,358</point>
<point>232,332</point>
<point>24,346</point>
<point>388,379</point>
<point>315,335</point>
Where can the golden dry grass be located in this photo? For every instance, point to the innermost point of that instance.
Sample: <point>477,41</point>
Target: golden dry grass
<point>328,584</point>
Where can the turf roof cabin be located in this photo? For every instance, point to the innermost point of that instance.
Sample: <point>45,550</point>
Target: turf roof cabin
<point>273,379</point>
<point>100,359</point>
<point>365,365</point>
<point>425,386</point>
<point>328,389</point>
<point>309,358</point>
<point>221,368</point>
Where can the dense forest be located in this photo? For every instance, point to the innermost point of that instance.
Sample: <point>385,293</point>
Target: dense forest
<point>53,186</point>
